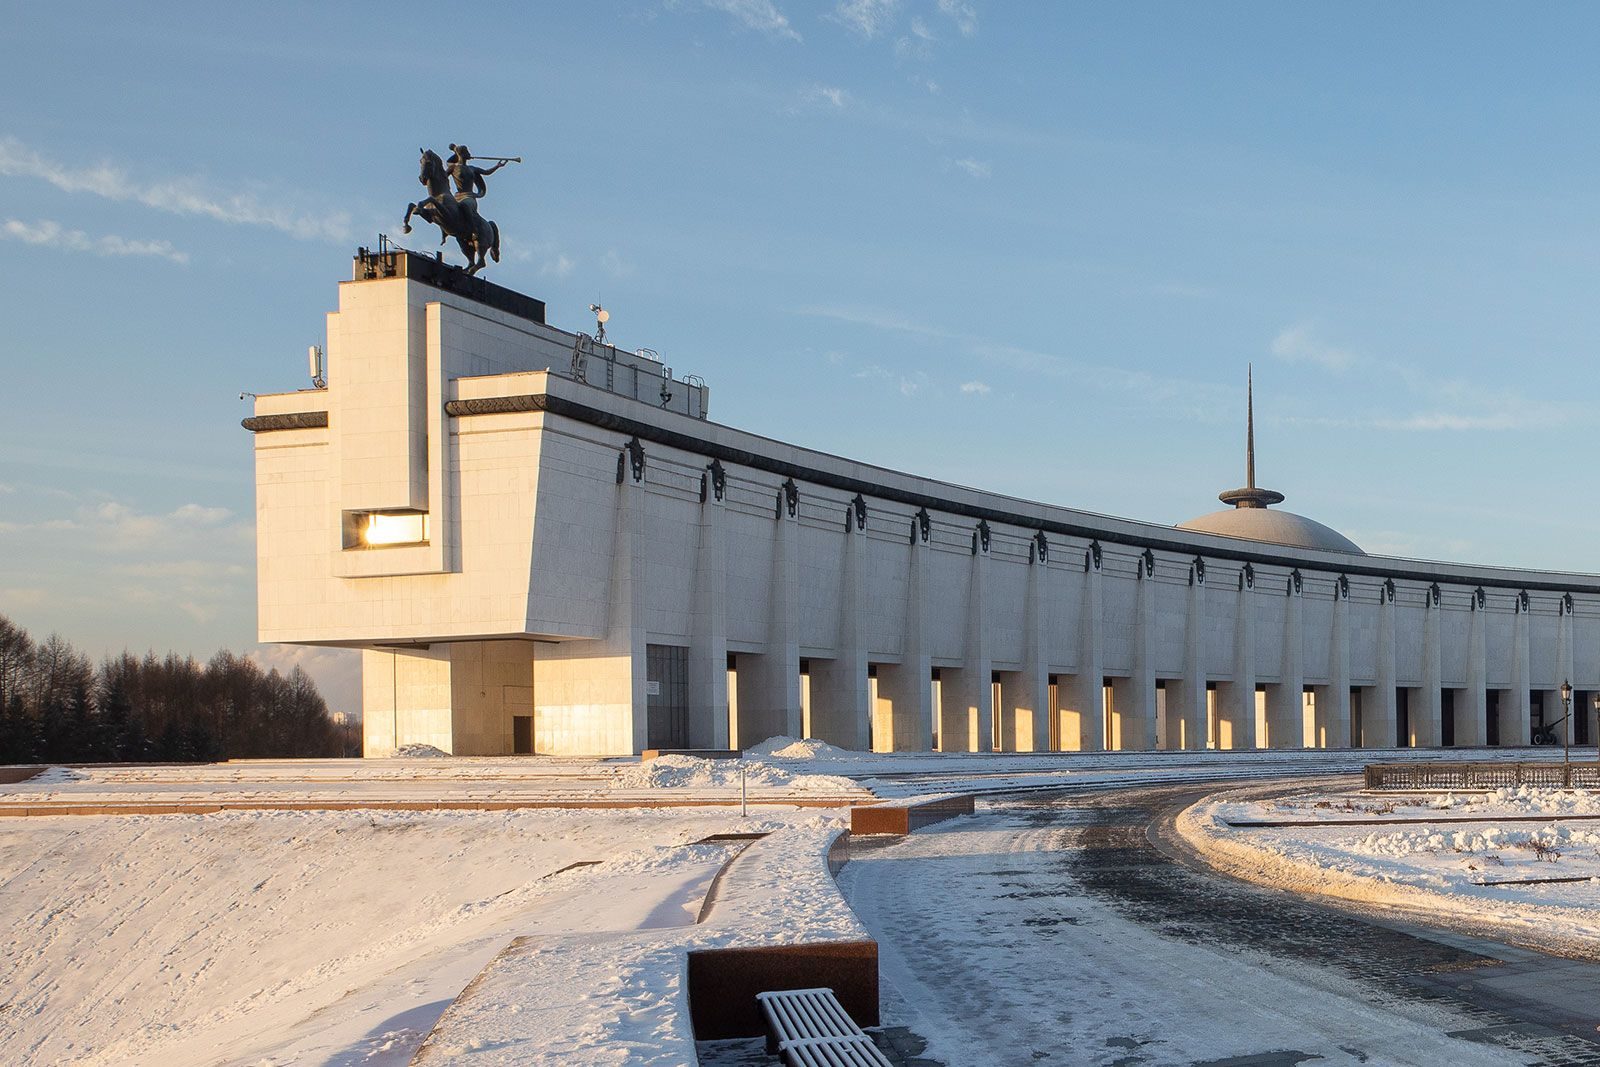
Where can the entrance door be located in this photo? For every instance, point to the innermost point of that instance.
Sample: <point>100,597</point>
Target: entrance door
<point>667,694</point>
<point>522,735</point>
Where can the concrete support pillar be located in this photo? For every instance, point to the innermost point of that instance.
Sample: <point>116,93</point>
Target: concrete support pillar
<point>1237,711</point>
<point>1027,693</point>
<point>1137,715</point>
<point>840,705</point>
<point>906,687</point>
<point>1286,720</point>
<point>769,703</point>
<point>1426,712</point>
<point>1515,707</point>
<point>1378,715</point>
<point>708,643</point>
<point>966,719</point>
<point>1472,706</point>
<point>1563,670</point>
<point>1084,695</point>
<point>1186,697</point>
<point>1332,714</point>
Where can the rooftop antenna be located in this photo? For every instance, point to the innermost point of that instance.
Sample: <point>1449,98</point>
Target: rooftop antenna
<point>319,380</point>
<point>601,317</point>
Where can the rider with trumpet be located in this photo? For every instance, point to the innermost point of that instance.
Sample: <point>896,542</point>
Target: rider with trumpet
<point>469,179</point>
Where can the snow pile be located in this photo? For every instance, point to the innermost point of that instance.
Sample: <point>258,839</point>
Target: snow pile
<point>691,772</point>
<point>787,748</point>
<point>58,776</point>
<point>419,751</point>
<point>1553,836</point>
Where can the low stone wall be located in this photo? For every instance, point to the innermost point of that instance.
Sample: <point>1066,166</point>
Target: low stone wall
<point>903,817</point>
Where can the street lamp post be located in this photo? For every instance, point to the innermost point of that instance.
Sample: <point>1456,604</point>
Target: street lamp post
<point>1566,733</point>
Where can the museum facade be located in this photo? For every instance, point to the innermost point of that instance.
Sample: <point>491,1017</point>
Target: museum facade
<point>542,544</point>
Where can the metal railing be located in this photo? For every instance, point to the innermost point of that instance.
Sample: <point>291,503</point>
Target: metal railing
<point>1427,775</point>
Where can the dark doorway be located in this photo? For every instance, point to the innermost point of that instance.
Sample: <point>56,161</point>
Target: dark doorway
<point>1447,717</point>
<point>1402,718</point>
<point>522,735</point>
<point>1491,726</point>
<point>667,696</point>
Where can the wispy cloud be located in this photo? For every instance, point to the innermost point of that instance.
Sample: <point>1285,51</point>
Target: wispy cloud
<point>975,168</point>
<point>186,197</point>
<point>963,14</point>
<point>917,44</point>
<point>48,234</point>
<point>975,388</point>
<point>1443,405</point>
<point>762,16</point>
<point>337,671</point>
<point>1300,344</point>
<point>613,264</point>
<point>826,94</point>
<point>869,18</point>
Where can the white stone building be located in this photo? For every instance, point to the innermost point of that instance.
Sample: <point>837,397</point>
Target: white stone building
<point>542,544</point>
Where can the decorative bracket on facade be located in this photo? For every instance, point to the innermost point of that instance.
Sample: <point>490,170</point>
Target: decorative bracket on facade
<point>1041,549</point>
<point>1566,603</point>
<point>1091,557</point>
<point>1247,577</point>
<point>980,537</point>
<point>1295,585</point>
<point>1523,604</point>
<point>920,526</point>
<point>1478,599</point>
<point>1386,591</point>
<point>1341,588</point>
<point>858,512</point>
<point>1197,572</point>
<point>788,497</point>
<point>631,457</point>
<point>719,480</point>
<point>1433,595</point>
<point>1147,564</point>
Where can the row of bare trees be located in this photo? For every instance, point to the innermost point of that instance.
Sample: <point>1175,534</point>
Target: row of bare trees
<point>57,706</point>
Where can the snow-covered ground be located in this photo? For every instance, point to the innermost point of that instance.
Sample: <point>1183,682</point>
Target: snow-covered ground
<point>291,937</point>
<point>340,937</point>
<point>1524,860</point>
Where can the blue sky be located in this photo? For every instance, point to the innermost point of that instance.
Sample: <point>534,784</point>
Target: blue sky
<point>1025,247</point>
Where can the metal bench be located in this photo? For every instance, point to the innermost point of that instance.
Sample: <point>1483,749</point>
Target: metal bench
<point>809,1028</point>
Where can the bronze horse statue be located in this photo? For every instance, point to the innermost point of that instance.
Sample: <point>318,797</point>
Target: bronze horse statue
<point>456,216</point>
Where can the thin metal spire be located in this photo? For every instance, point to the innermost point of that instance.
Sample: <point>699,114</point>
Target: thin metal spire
<point>1250,427</point>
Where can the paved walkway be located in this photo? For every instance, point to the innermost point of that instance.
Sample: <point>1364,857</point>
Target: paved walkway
<point>1050,929</point>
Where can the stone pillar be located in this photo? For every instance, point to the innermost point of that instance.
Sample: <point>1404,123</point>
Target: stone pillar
<point>1426,715</point>
<point>840,707</point>
<point>1031,702</point>
<point>1237,711</point>
<point>1186,698</point>
<point>1378,716</point>
<point>1085,693</point>
<point>1137,714</point>
<point>1472,719</point>
<point>1286,723</point>
<point>1516,712</point>
<point>708,643</point>
<point>907,686</point>
<point>1563,667</point>
<point>966,719</point>
<point>769,704</point>
<point>1332,713</point>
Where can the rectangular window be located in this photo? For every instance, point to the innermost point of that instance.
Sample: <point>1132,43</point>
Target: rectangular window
<point>385,529</point>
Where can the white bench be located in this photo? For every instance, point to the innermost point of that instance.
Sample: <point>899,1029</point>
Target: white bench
<point>811,1029</point>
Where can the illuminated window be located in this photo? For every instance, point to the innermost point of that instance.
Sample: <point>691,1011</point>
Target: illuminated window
<point>385,529</point>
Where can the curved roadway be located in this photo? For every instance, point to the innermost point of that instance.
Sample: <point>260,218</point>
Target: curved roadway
<point>1059,928</point>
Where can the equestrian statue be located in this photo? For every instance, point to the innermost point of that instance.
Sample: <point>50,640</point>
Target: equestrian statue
<point>457,215</point>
